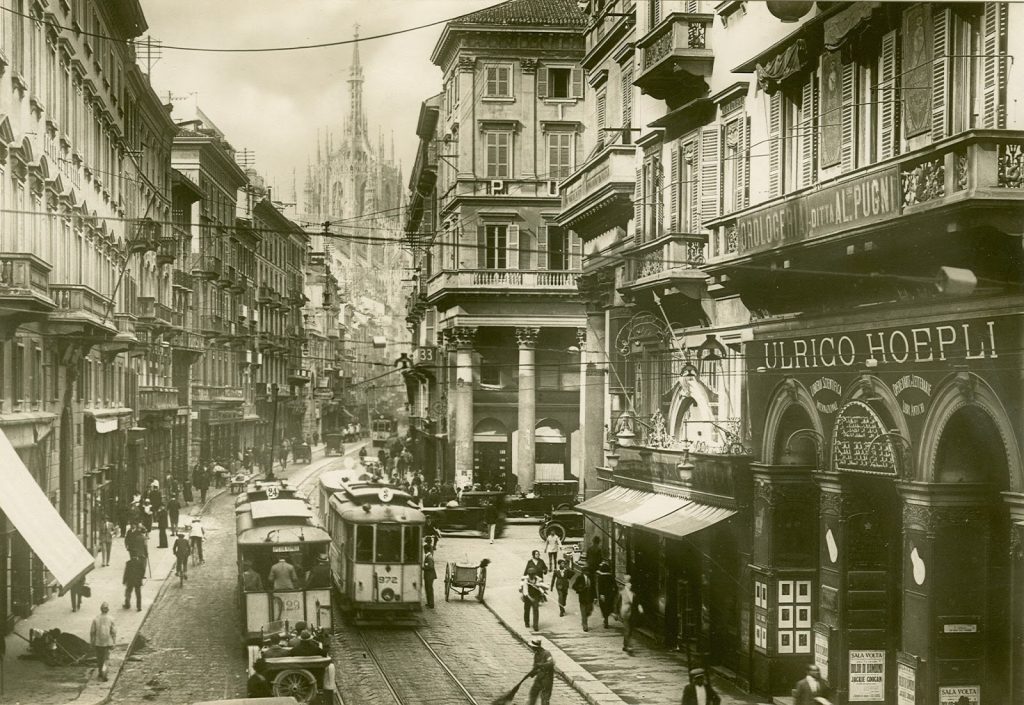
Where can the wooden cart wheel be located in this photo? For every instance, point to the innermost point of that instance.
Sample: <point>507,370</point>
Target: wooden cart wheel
<point>447,581</point>
<point>297,683</point>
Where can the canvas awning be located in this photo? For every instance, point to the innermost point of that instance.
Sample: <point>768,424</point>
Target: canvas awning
<point>32,515</point>
<point>613,503</point>
<point>688,519</point>
<point>653,507</point>
<point>783,65</point>
<point>847,24</point>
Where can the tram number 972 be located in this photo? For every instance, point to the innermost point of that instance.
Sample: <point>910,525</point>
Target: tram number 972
<point>387,579</point>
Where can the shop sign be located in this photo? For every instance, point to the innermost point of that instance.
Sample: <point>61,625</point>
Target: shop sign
<point>826,393</point>
<point>960,695</point>
<point>858,444</point>
<point>867,676</point>
<point>906,684</point>
<point>913,393</point>
<point>960,341</point>
<point>959,628</point>
<point>853,203</point>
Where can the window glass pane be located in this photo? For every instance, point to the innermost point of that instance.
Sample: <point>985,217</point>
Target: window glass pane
<point>389,543</point>
<point>411,547</point>
<point>364,543</point>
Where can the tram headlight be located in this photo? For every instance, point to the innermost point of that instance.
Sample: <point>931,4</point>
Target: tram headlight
<point>388,595</point>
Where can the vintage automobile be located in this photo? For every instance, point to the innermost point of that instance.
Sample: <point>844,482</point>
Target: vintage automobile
<point>469,515</point>
<point>335,444</point>
<point>566,523</point>
<point>544,497</point>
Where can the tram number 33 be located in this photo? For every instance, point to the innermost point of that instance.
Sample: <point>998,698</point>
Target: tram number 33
<point>387,579</point>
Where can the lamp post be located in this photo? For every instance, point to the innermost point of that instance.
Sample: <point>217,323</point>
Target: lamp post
<point>369,414</point>
<point>273,431</point>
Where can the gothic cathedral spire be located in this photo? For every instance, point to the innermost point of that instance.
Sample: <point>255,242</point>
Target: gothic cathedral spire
<point>356,116</point>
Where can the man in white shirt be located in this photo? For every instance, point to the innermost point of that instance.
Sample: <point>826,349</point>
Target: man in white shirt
<point>196,534</point>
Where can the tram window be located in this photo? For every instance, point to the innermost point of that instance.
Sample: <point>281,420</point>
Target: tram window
<point>411,552</point>
<point>389,543</point>
<point>364,543</point>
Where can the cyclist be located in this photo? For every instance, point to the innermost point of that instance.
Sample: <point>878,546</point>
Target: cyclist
<point>196,535</point>
<point>182,550</point>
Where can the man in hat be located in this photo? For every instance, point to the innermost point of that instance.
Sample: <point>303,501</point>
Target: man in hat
<point>429,575</point>
<point>182,550</point>
<point>320,574</point>
<point>134,574</point>
<point>583,584</point>
<point>543,673</point>
<point>251,580</point>
<point>103,636</point>
<point>699,691</point>
<point>307,645</point>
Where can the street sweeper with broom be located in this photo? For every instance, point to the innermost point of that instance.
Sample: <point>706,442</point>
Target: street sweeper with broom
<point>543,674</point>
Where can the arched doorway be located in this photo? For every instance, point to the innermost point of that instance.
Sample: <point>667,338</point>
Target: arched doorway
<point>492,453</point>
<point>551,451</point>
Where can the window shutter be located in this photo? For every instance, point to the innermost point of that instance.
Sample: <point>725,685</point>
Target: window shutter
<point>673,189</point>
<point>659,198</point>
<point>941,40</point>
<point>775,144</point>
<point>481,249</point>
<point>577,148</point>
<point>542,82</point>
<point>512,256</point>
<point>807,136</point>
<point>848,142</point>
<point>542,247</point>
<point>575,252</point>
<point>743,164</point>
<point>889,97</point>
<point>627,98</point>
<point>602,104</point>
<point>577,83</point>
<point>710,161</point>
<point>993,68</point>
<point>638,206</point>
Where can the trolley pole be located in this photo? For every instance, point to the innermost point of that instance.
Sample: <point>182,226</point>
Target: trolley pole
<point>273,431</point>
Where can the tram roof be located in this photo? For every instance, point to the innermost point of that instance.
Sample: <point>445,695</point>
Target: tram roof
<point>280,509</point>
<point>282,535</point>
<point>375,512</point>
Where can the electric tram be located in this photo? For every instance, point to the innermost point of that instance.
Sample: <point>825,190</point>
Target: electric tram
<point>382,429</point>
<point>376,549</point>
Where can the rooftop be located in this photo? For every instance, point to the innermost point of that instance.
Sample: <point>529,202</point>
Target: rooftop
<point>553,13</point>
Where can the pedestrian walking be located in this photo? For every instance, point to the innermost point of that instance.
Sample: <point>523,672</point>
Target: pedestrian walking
<point>107,539</point>
<point>595,556</point>
<point>147,515</point>
<point>607,591</point>
<point>182,549</point>
<point>560,580</point>
<point>543,673</point>
<point>628,608</point>
<point>491,517</point>
<point>553,547</point>
<point>134,574</point>
<point>534,595</point>
<point>102,636</point>
<point>329,684</point>
<point>196,534</point>
<point>536,566</point>
<point>136,541</point>
<point>201,481</point>
<point>699,691</point>
<point>811,687</point>
<point>173,512</point>
<point>75,591</point>
<point>584,586</point>
<point>161,522</point>
<point>429,576</point>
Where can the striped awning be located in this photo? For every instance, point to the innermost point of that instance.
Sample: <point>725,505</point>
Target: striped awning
<point>688,519</point>
<point>613,503</point>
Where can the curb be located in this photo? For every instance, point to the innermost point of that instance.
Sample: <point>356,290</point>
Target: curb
<point>578,678</point>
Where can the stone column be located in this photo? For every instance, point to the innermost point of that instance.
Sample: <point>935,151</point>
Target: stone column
<point>593,377</point>
<point>1016,597</point>
<point>462,341</point>
<point>527,338</point>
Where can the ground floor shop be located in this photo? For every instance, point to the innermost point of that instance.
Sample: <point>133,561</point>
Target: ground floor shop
<point>889,507</point>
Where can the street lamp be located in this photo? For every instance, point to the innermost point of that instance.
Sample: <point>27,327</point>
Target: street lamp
<point>273,431</point>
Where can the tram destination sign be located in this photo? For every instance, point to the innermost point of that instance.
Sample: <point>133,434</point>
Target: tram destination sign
<point>850,204</point>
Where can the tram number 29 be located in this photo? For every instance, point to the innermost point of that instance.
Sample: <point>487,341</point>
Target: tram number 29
<point>387,579</point>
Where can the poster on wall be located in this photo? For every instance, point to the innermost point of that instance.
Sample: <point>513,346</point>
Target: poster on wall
<point>906,685</point>
<point>867,676</point>
<point>960,695</point>
<point>917,56</point>
<point>821,635</point>
<point>831,108</point>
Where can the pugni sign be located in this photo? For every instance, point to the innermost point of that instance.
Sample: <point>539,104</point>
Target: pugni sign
<point>861,201</point>
<point>962,341</point>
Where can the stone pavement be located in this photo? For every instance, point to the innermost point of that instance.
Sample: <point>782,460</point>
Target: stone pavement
<point>593,662</point>
<point>31,682</point>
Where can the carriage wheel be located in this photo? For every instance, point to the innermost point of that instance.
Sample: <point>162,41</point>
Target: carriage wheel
<point>297,683</point>
<point>447,581</point>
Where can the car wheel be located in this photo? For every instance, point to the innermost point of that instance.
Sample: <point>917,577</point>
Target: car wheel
<point>557,528</point>
<point>564,505</point>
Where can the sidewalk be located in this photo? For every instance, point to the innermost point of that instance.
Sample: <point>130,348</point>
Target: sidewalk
<point>592,662</point>
<point>32,682</point>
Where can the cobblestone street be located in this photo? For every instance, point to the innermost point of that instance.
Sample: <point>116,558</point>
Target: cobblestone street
<point>191,646</point>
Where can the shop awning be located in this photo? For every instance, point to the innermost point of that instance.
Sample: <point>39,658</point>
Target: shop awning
<point>32,515</point>
<point>653,507</point>
<point>688,519</point>
<point>614,502</point>
<point>108,420</point>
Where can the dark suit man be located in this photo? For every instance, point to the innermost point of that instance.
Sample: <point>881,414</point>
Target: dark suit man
<point>810,687</point>
<point>699,691</point>
<point>429,576</point>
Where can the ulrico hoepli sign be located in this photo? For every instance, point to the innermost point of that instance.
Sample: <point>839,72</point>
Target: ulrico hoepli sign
<point>975,340</point>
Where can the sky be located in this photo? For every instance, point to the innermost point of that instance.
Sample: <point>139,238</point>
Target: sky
<point>273,103</point>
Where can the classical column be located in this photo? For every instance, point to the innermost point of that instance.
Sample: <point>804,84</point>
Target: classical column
<point>593,375</point>
<point>461,340</point>
<point>527,338</point>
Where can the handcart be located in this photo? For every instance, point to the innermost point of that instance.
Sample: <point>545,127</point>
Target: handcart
<point>464,578</point>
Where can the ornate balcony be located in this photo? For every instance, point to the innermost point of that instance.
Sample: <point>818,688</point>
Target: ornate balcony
<point>24,284</point>
<point>166,249</point>
<point>504,281</point>
<point>206,267</point>
<point>673,260</point>
<point>298,375</point>
<point>204,393</point>
<point>227,279</point>
<point>158,398</point>
<point>81,310</point>
<point>153,314</point>
<point>264,295</point>
<point>600,194</point>
<point>677,58</point>
<point>182,280</point>
<point>212,326</point>
<point>265,341</point>
<point>189,342</point>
